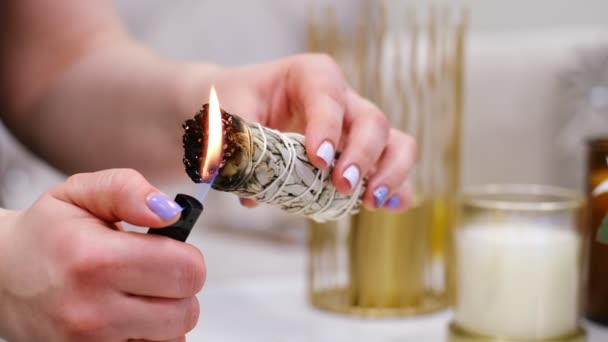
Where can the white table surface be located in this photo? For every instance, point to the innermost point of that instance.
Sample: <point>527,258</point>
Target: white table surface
<point>256,291</point>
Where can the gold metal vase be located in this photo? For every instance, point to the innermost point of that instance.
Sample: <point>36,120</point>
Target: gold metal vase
<point>410,63</point>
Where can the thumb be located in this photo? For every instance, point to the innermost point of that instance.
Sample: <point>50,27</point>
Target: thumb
<point>118,195</point>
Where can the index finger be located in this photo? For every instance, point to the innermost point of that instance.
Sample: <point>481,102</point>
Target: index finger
<point>316,88</point>
<point>150,265</point>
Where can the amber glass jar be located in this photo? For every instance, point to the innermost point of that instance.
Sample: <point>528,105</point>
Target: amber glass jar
<point>597,283</point>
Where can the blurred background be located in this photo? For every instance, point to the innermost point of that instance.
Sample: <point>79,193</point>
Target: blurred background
<point>520,55</point>
<point>536,87</point>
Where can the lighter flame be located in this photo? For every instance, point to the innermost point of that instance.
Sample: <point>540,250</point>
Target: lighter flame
<point>215,139</point>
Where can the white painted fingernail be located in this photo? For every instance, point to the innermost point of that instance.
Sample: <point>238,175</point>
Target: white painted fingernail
<point>326,152</point>
<point>352,175</point>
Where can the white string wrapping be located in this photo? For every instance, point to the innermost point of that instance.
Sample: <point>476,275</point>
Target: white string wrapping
<point>282,176</point>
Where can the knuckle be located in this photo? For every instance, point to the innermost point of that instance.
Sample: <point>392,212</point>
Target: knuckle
<point>326,72</point>
<point>114,177</point>
<point>85,261</point>
<point>130,174</point>
<point>403,140</point>
<point>75,181</point>
<point>323,60</point>
<point>382,122</point>
<point>79,322</point>
<point>121,177</point>
<point>371,114</point>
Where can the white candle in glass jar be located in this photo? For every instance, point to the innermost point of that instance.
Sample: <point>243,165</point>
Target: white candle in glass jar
<point>519,281</point>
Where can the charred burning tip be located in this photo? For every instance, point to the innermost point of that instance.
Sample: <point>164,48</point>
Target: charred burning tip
<point>195,140</point>
<point>193,146</point>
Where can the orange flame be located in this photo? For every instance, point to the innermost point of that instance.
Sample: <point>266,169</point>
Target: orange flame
<point>215,139</point>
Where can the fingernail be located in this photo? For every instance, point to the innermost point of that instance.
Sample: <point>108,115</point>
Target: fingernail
<point>352,175</point>
<point>326,152</point>
<point>380,195</point>
<point>393,202</point>
<point>163,206</point>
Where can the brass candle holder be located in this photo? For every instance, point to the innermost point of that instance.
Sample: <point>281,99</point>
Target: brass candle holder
<point>411,64</point>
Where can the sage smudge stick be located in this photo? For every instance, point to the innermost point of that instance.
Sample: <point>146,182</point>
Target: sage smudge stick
<point>269,167</point>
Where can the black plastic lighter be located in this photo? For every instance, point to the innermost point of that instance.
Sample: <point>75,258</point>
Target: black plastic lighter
<point>181,229</point>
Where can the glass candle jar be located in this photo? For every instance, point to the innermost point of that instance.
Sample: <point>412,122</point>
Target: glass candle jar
<point>518,258</point>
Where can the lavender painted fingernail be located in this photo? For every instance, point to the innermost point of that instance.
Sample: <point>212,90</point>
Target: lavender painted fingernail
<point>352,175</point>
<point>380,195</point>
<point>393,202</point>
<point>326,152</point>
<point>163,206</point>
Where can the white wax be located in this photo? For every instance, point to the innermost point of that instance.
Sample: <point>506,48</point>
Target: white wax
<point>518,281</point>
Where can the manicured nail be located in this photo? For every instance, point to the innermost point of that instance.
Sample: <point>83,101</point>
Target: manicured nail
<point>326,152</point>
<point>163,206</point>
<point>380,195</point>
<point>352,175</point>
<point>393,202</point>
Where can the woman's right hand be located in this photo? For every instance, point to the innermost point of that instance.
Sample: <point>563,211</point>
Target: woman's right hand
<point>69,273</point>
